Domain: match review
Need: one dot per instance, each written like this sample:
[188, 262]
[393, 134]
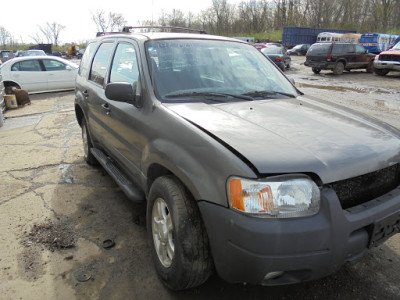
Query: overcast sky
[22, 20]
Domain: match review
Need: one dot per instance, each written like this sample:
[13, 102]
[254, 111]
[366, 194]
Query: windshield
[189, 70]
[396, 47]
[274, 50]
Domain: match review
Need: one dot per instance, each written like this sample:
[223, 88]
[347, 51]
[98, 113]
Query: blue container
[292, 36]
[378, 42]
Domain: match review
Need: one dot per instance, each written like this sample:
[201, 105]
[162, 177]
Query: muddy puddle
[342, 88]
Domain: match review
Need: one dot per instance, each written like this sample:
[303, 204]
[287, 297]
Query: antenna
[152, 10]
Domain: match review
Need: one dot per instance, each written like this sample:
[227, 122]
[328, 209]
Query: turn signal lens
[278, 197]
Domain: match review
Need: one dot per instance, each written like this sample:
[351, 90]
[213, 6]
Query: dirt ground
[68, 232]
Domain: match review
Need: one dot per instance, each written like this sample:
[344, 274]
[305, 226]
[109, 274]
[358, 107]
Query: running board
[131, 191]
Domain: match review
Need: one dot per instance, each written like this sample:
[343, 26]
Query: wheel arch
[79, 114]
[343, 61]
[8, 83]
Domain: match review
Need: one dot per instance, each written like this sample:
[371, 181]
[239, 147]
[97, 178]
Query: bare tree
[55, 30]
[100, 20]
[4, 36]
[37, 38]
[110, 22]
[116, 21]
[46, 32]
[51, 32]
[176, 18]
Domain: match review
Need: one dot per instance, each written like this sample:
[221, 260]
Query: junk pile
[13, 98]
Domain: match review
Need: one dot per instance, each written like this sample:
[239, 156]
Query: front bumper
[387, 65]
[246, 249]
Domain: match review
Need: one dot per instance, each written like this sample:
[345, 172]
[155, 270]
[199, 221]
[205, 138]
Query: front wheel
[381, 72]
[177, 237]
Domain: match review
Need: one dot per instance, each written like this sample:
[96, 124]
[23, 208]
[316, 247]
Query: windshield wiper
[268, 94]
[209, 94]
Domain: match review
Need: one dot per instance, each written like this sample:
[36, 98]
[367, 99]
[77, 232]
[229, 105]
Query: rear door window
[27, 66]
[338, 49]
[101, 60]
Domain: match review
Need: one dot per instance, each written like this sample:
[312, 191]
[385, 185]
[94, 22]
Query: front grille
[358, 190]
[387, 57]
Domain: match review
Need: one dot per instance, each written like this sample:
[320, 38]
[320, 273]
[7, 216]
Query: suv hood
[390, 52]
[298, 136]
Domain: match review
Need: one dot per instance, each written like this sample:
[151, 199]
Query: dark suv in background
[338, 57]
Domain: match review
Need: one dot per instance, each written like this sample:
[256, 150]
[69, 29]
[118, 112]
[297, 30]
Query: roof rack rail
[100, 33]
[164, 28]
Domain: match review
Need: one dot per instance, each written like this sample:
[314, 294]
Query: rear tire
[87, 145]
[177, 237]
[283, 67]
[316, 70]
[339, 68]
[381, 72]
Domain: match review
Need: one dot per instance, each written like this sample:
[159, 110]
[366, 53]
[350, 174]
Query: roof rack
[100, 33]
[163, 28]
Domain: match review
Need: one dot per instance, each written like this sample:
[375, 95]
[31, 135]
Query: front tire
[381, 72]
[177, 237]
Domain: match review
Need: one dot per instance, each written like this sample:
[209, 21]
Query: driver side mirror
[124, 92]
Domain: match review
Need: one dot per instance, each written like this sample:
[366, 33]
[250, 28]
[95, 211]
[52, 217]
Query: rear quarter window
[86, 60]
[319, 49]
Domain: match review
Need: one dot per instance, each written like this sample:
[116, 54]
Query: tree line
[257, 16]
[251, 17]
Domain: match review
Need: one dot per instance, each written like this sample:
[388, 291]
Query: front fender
[203, 170]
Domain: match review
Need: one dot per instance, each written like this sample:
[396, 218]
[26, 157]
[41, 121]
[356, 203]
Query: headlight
[275, 197]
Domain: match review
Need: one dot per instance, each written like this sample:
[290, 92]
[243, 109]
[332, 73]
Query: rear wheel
[178, 240]
[283, 66]
[381, 72]
[339, 68]
[316, 70]
[87, 145]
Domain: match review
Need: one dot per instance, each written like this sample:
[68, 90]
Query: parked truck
[378, 42]
[292, 36]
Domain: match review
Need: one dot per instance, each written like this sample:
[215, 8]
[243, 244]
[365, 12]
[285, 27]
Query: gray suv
[241, 172]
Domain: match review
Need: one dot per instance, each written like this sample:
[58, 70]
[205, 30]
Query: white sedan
[37, 74]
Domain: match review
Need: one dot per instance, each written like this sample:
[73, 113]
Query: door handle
[106, 107]
[85, 93]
